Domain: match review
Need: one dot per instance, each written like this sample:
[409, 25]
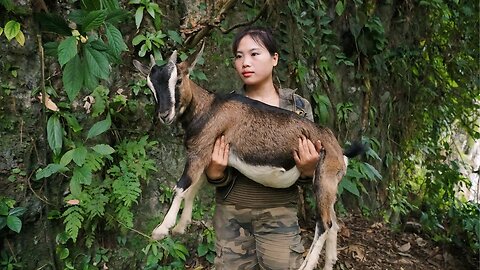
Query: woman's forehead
[247, 43]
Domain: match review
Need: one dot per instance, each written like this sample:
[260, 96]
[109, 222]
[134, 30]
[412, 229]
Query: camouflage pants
[257, 238]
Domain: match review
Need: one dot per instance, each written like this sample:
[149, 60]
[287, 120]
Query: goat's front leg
[186, 188]
[186, 217]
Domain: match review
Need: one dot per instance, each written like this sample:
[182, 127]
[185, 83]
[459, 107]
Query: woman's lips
[247, 74]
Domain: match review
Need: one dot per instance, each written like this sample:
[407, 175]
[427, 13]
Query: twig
[226, 31]
[11, 250]
[131, 229]
[33, 191]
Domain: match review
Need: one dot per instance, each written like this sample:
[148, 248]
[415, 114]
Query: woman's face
[253, 62]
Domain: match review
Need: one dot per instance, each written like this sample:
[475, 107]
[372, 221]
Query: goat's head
[170, 84]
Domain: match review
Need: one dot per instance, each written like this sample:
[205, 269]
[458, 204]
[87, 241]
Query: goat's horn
[173, 57]
[152, 61]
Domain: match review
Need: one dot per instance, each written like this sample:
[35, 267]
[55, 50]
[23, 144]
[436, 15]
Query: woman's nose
[246, 62]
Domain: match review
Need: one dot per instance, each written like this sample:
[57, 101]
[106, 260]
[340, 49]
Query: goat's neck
[199, 103]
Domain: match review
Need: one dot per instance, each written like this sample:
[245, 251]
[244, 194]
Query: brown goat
[261, 139]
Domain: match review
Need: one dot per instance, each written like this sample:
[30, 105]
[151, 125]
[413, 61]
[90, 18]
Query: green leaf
[75, 187]
[103, 149]
[350, 186]
[99, 127]
[48, 171]
[11, 29]
[72, 122]
[55, 134]
[79, 155]
[373, 171]
[339, 8]
[20, 38]
[82, 175]
[14, 223]
[67, 157]
[67, 50]
[73, 77]
[63, 253]
[202, 250]
[115, 39]
[175, 36]
[97, 62]
[137, 39]
[139, 16]
[17, 211]
[93, 20]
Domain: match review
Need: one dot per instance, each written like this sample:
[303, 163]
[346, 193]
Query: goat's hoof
[159, 233]
[178, 230]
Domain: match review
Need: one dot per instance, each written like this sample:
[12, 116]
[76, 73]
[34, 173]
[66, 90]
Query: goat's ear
[195, 56]
[145, 70]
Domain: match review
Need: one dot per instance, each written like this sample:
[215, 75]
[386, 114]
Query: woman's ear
[275, 59]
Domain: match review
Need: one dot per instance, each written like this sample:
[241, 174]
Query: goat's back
[261, 134]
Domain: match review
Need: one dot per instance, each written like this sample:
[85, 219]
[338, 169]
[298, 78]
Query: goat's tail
[355, 149]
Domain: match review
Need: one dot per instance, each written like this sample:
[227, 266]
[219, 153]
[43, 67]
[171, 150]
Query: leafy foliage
[9, 215]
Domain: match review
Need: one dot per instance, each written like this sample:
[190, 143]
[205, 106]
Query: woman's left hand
[307, 156]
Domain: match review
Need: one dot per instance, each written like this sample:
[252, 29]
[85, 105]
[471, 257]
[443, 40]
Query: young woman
[256, 226]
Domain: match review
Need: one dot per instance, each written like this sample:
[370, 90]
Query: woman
[256, 226]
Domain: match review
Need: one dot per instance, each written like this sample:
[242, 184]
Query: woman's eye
[238, 56]
[255, 54]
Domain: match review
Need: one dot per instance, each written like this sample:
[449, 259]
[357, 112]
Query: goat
[261, 139]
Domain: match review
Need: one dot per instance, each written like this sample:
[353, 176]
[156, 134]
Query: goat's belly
[269, 176]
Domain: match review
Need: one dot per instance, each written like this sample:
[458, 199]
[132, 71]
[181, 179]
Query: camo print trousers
[247, 238]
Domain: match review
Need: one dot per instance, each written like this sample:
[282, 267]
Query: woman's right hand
[219, 161]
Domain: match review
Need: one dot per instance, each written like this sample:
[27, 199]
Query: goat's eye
[179, 81]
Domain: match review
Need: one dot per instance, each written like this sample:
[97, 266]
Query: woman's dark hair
[261, 35]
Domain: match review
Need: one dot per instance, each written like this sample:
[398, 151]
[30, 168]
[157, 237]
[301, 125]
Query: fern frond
[73, 221]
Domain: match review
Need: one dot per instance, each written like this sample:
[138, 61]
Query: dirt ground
[369, 245]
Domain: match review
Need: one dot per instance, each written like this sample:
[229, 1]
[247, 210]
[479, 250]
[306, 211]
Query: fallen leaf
[420, 242]
[49, 104]
[357, 252]
[405, 247]
[73, 202]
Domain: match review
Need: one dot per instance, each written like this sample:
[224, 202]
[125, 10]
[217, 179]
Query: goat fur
[262, 139]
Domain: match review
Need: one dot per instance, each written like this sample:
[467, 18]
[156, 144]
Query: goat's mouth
[166, 117]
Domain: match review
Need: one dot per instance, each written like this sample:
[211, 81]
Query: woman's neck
[266, 93]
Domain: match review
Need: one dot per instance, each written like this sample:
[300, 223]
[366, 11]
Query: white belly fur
[269, 176]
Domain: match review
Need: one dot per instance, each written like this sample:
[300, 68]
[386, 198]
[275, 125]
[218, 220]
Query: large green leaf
[67, 50]
[99, 127]
[97, 62]
[12, 28]
[93, 20]
[55, 134]
[14, 223]
[73, 77]
[115, 40]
